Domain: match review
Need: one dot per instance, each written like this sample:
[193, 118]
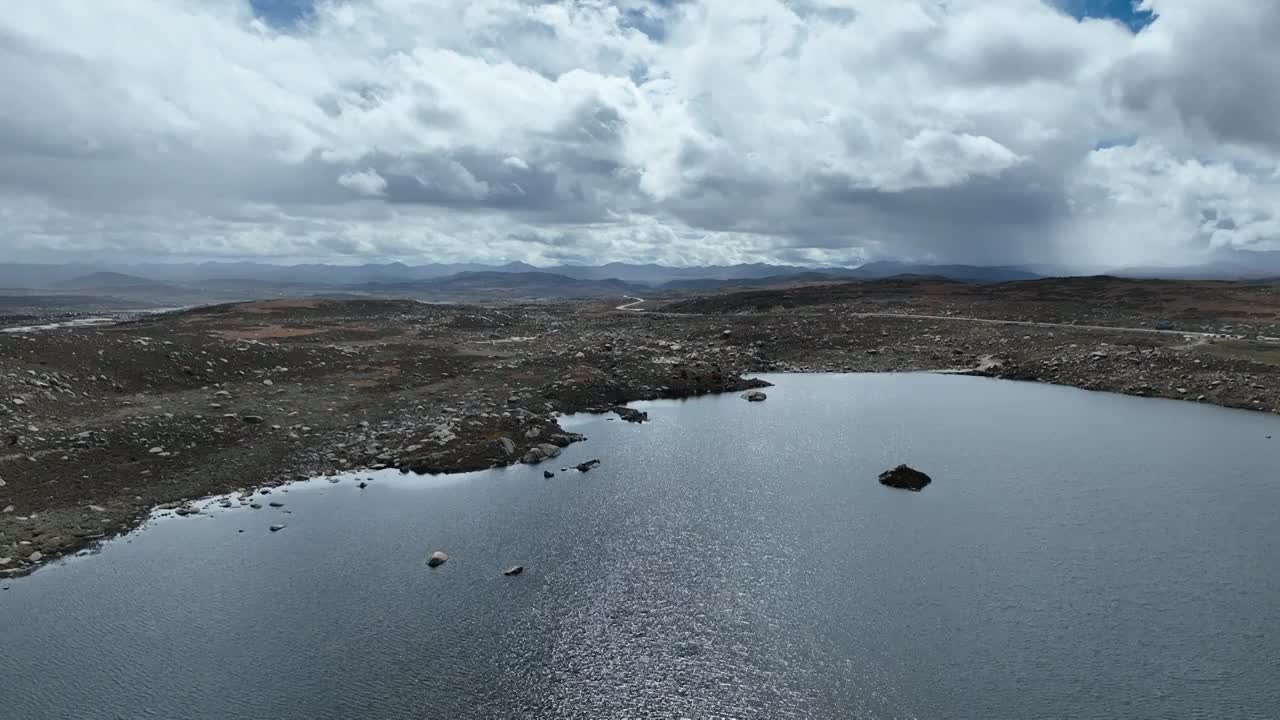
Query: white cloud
[715, 130]
[366, 182]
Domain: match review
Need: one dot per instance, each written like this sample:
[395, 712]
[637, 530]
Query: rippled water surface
[1079, 555]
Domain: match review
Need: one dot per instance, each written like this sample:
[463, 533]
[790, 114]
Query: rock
[540, 453]
[276, 528]
[362, 484]
[9, 508]
[437, 559]
[2, 482]
[5, 561]
[754, 396]
[255, 506]
[513, 570]
[586, 466]
[508, 446]
[905, 478]
[548, 474]
[35, 556]
[630, 414]
[276, 504]
[252, 419]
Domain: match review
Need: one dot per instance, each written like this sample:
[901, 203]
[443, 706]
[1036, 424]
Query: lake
[1078, 555]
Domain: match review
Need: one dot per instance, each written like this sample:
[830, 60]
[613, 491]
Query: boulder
[508, 446]
[513, 570]
[630, 414]
[539, 453]
[548, 474]
[566, 439]
[754, 396]
[586, 466]
[437, 559]
[905, 478]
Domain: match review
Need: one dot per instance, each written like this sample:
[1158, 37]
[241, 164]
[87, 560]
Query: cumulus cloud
[365, 182]
[706, 131]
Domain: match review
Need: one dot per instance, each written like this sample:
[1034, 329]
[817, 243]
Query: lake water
[1079, 555]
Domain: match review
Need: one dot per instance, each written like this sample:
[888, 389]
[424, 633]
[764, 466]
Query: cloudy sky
[677, 131]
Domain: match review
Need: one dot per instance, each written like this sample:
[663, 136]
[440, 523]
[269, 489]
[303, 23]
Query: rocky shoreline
[100, 425]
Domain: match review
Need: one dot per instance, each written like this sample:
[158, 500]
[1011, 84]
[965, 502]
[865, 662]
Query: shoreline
[116, 421]
[136, 524]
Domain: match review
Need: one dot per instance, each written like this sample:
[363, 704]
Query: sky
[683, 132]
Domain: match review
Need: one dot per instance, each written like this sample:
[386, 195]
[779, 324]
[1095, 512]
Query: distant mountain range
[223, 275]
[164, 284]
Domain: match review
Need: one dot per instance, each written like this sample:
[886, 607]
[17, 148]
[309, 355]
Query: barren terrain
[99, 425]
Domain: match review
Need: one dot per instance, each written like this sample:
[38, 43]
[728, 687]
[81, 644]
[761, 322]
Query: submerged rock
[905, 478]
[513, 570]
[437, 559]
[754, 396]
[586, 466]
[548, 474]
[276, 528]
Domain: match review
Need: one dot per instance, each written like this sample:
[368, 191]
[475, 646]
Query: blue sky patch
[1122, 10]
[283, 14]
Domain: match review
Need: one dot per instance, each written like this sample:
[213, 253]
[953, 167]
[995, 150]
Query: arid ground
[100, 425]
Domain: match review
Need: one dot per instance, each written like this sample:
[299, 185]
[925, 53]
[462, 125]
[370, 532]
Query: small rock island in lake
[437, 559]
[905, 478]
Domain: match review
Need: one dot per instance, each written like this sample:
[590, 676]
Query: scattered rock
[905, 478]
[513, 570]
[252, 419]
[540, 453]
[35, 556]
[508, 446]
[437, 559]
[754, 396]
[630, 414]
